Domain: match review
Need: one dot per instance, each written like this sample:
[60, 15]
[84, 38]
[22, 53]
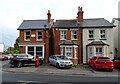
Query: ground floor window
[68, 52]
[36, 50]
[99, 51]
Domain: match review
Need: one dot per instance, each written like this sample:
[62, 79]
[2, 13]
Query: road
[37, 78]
[54, 79]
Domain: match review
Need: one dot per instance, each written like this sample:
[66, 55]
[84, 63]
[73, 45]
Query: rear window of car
[103, 59]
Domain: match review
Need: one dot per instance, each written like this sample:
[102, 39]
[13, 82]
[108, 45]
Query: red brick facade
[79, 41]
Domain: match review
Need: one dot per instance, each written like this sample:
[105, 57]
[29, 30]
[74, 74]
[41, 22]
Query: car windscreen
[62, 57]
[103, 59]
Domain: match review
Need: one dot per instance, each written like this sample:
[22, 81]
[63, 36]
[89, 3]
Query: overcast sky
[13, 12]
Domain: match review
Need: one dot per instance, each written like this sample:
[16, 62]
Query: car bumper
[104, 67]
[65, 65]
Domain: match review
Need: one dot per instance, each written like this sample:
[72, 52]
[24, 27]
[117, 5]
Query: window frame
[70, 52]
[101, 34]
[90, 34]
[63, 36]
[73, 34]
[39, 35]
[27, 35]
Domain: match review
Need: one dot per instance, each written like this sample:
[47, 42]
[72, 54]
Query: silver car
[60, 61]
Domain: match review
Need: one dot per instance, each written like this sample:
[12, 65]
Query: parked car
[101, 62]
[60, 61]
[3, 57]
[116, 62]
[20, 60]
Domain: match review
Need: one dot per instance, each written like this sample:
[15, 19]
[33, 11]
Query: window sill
[91, 39]
[103, 39]
[26, 40]
[74, 39]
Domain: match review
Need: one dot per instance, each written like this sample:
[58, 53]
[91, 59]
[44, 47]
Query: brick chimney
[80, 14]
[49, 16]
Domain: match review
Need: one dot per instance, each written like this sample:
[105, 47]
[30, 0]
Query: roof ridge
[92, 18]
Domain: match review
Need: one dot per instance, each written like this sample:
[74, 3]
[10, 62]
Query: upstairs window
[63, 35]
[74, 34]
[102, 34]
[27, 35]
[91, 34]
[39, 35]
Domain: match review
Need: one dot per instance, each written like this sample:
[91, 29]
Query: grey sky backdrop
[13, 12]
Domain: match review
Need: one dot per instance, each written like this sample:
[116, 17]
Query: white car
[60, 61]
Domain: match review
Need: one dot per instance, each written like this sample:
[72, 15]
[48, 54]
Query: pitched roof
[35, 24]
[97, 43]
[97, 22]
[117, 19]
[68, 42]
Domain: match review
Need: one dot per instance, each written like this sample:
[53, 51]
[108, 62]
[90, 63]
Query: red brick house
[34, 36]
[68, 38]
[75, 38]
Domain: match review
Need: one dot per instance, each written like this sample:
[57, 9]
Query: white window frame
[39, 35]
[61, 50]
[90, 34]
[98, 53]
[103, 33]
[63, 36]
[35, 49]
[72, 35]
[71, 52]
[25, 35]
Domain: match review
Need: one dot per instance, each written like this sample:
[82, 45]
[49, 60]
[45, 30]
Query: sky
[13, 12]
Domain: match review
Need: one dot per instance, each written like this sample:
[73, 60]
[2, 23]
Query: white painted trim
[37, 35]
[74, 29]
[43, 49]
[72, 34]
[25, 34]
[63, 29]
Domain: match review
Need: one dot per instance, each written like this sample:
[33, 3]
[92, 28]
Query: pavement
[47, 69]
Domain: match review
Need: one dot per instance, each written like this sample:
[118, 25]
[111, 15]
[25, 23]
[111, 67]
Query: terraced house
[78, 38]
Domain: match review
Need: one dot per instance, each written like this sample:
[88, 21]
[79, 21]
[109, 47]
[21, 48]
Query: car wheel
[49, 63]
[58, 65]
[19, 64]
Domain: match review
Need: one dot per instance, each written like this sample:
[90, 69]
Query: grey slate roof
[97, 43]
[97, 22]
[34, 24]
[117, 19]
[68, 42]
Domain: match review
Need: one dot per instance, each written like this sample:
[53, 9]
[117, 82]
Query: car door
[51, 60]
[54, 60]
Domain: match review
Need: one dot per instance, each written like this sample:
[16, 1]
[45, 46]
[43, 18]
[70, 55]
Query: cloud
[13, 12]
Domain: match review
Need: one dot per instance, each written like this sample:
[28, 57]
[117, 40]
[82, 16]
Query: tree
[16, 46]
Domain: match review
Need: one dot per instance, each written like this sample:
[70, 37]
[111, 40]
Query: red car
[2, 57]
[101, 62]
[116, 62]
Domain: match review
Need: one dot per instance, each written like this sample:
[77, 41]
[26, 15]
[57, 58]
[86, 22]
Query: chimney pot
[80, 14]
[49, 16]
